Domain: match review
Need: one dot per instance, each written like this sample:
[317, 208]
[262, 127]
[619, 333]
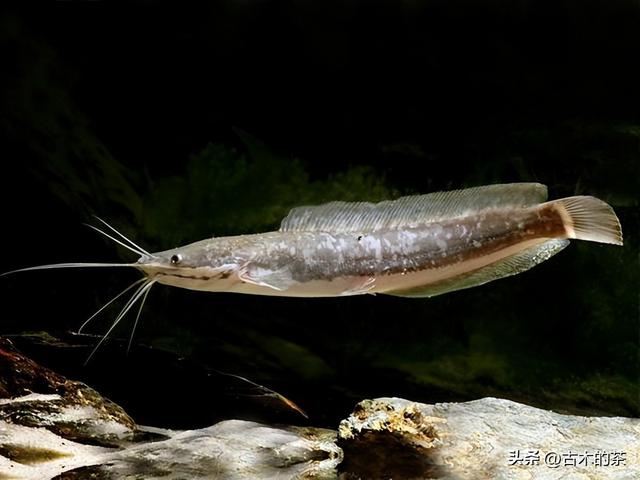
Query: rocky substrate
[52, 427]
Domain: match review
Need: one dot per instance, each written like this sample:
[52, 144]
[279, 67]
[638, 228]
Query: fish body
[415, 246]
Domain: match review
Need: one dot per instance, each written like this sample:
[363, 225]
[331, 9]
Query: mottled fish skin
[328, 264]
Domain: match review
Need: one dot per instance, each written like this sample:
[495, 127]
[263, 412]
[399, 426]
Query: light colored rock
[383, 438]
[35, 396]
[233, 449]
[72, 420]
[52, 426]
[67, 427]
[43, 435]
[33, 453]
[487, 438]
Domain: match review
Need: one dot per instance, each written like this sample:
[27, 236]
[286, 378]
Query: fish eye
[175, 259]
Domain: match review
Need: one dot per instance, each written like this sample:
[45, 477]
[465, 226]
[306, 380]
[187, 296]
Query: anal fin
[511, 265]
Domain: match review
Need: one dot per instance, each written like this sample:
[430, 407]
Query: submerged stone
[52, 427]
[486, 438]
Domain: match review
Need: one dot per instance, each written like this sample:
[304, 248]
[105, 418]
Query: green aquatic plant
[225, 191]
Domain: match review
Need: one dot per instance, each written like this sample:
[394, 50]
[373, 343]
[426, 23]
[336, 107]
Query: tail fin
[587, 218]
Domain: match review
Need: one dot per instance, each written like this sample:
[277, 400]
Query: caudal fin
[588, 218]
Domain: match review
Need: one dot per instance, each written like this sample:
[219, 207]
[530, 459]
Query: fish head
[196, 266]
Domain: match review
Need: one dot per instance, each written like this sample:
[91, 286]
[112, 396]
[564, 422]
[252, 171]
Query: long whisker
[268, 392]
[124, 310]
[136, 296]
[123, 236]
[135, 324]
[137, 282]
[115, 240]
[70, 265]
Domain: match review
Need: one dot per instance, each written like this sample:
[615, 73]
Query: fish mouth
[182, 275]
[160, 271]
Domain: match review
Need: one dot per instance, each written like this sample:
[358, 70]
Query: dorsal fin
[414, 210]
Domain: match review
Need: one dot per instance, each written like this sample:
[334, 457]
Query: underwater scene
[176, 124]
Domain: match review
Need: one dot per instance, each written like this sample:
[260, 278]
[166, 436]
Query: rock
[487, 438]
[234, 449]
[65, 407]
[52, 427]
[35, 453]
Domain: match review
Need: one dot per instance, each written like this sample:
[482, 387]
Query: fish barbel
[416, 246]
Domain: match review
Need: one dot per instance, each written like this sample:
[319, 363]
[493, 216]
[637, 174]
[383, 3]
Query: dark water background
[176, 123]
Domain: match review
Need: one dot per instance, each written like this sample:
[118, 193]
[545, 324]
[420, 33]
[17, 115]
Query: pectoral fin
[509, 266]
[362, 286]
[276, 279]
